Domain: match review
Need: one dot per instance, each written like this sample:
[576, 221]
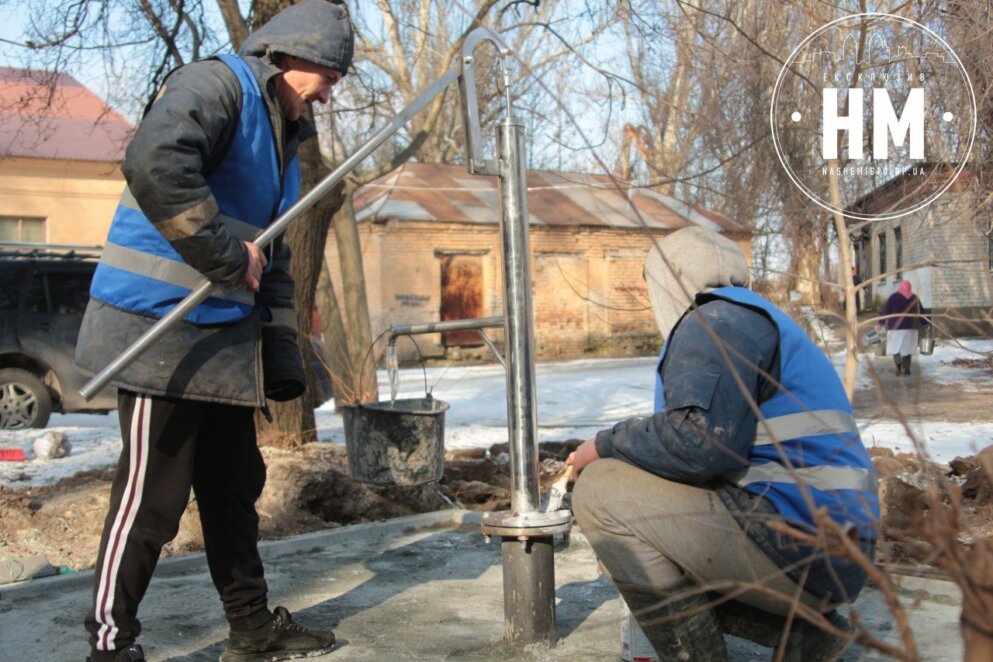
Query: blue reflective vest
[139, 270]
[807, 453]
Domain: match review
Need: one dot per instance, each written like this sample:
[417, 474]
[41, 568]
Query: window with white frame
[22, 229]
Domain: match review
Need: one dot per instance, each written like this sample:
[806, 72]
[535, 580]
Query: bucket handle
[365, 359]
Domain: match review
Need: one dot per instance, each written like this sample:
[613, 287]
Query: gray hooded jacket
[184, 135]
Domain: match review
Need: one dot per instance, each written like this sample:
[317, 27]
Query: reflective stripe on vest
[175, 273]
[822, 477]
[804, 424]
[241, 230]
[141, 272]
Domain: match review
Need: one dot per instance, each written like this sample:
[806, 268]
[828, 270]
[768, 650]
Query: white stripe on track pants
[169, 446]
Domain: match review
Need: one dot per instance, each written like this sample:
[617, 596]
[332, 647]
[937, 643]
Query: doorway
[461, 296]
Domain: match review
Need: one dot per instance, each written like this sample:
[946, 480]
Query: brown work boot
[809, 643]
[806, 642]
[684, 630]
[278, 639]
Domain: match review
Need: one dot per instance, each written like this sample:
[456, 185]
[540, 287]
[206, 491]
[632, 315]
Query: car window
[59, 291]
[11, 280]
[70, 291]
[36, 294]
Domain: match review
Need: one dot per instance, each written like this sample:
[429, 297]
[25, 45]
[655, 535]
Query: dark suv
[43, 293]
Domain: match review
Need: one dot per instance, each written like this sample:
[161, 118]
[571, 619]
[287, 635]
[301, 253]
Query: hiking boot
[808, 643]
[906, 365]
[133, 653]
[683, 630]
[899, 364]
[746, 622]
[279, 639]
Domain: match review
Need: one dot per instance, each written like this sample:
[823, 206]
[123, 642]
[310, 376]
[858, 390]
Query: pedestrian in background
[856, 281]
[906, 318]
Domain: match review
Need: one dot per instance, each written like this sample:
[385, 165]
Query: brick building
[60, 152]
[431, 246]
[953, 230]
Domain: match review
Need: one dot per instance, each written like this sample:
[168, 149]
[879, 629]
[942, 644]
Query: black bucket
[396, 443]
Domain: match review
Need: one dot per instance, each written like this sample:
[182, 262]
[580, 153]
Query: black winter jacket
[185, 133]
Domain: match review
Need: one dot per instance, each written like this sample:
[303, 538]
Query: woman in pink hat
[903, 316]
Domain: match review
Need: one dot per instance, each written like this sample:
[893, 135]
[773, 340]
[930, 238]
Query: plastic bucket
[925, 340]
[876, 341]
[396, 443]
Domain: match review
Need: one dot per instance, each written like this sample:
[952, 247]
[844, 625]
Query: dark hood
[317, 31]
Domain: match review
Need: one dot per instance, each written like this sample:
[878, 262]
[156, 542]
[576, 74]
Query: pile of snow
[575, 400]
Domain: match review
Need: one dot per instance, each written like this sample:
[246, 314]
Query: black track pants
[169, 446]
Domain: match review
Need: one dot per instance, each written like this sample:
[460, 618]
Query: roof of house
[52, 116]
[447, 193]
[913, 185]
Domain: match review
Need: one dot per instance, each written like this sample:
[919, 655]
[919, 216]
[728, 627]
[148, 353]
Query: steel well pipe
[522, 418]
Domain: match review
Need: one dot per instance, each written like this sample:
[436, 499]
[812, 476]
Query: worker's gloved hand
[282, 367]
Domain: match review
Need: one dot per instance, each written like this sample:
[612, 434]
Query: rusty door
[461, 296]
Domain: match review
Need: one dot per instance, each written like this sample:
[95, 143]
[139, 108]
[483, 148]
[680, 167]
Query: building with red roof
[431, 248]
[60, 152]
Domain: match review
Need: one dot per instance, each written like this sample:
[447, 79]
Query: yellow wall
[77, 198]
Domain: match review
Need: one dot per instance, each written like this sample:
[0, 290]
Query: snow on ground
[941, 441]
[575, 399]
[938, 368]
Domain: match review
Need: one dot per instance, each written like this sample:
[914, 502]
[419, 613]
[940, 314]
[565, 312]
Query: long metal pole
[521, 409]
[196, 297]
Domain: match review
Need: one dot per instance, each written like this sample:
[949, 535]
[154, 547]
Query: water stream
[393, 370]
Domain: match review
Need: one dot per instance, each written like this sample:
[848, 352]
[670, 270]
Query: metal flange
[506, 523]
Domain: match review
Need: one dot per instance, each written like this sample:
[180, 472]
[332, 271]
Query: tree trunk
[362, 352]
[293, 421]
[847, 286]
[806, 266]
[333, 327]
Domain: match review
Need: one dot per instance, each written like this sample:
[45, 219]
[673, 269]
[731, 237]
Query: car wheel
[24, 400]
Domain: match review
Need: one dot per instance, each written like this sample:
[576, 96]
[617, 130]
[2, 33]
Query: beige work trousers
[651, 532]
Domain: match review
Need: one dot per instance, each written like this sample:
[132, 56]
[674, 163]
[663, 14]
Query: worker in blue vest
[705, 513]
[212, 163]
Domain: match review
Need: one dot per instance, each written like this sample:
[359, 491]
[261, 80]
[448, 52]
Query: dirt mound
[307, 489]
[909, 487]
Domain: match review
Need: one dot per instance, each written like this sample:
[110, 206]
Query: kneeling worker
[752, 435]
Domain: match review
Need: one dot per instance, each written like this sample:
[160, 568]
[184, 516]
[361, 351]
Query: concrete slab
[420, 588]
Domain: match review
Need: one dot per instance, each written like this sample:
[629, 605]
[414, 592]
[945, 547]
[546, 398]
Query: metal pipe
[521, 401]
[528, 589]
[194, 298]
[478, 324]
[443, 327]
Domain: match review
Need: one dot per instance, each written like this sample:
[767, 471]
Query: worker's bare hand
[256, 263]
[581, 457]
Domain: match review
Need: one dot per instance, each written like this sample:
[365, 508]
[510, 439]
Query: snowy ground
[575, 399]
